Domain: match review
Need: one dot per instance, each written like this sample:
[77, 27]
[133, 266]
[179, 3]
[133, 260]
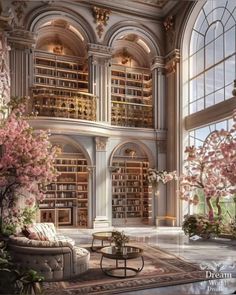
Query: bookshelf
[131, 95]
[60, 87]
[131, 195]
[60, 71]
[66, 201]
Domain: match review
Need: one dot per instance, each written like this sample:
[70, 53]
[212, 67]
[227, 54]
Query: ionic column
[102, 196]
[158, 92]
[100, 79]
[174, 127]
[21, 61]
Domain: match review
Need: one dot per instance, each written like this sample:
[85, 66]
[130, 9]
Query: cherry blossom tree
[26, 160]
[211, 168]
[155, 176]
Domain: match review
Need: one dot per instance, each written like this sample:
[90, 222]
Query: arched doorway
[131, 196]
[67, 199]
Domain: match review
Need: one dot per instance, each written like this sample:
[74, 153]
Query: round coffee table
[126, 253]
[101, 236]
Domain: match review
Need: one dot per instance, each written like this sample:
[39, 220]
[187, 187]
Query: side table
[101, 236]
[126, 253]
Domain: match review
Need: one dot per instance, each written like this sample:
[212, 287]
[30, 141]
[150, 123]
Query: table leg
[125, 268]
[101, 265]
[92, 245]
[139, 269]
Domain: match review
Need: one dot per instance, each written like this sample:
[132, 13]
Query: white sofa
[55, 259]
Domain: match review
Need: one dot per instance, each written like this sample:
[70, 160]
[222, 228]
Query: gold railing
[132, 115]
[63, 104]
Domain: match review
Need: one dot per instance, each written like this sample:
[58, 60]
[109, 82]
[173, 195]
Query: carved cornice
[101, 17]
[22, 39]
[101, 143]
[99, 50]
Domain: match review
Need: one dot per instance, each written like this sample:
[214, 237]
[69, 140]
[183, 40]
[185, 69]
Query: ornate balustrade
[63, 104]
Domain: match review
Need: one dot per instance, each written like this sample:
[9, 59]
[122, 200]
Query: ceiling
[148, 8]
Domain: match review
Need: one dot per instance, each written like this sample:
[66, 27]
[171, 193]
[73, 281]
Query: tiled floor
[219, 255]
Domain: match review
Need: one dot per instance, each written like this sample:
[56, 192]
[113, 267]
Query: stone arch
[186, 30]
[63, 140]
[40, 16]
[125, 28]
[146, 151]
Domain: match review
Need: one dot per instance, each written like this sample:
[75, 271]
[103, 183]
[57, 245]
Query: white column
[102, 195]
[158, 91]
[21, 65]
[173, 125]
[100, 79]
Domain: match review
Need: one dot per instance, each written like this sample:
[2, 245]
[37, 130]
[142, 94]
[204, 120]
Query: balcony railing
[63, 104]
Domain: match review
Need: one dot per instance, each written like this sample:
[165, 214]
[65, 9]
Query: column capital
[101, 143]
[22, 39]
[158, 62]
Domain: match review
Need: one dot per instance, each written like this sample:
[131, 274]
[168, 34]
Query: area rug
[160, 269]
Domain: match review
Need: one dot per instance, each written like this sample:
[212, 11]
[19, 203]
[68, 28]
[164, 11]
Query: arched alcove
[122, 29]
[131, 91]
[44, 15]
[131, 197]
[68, 198]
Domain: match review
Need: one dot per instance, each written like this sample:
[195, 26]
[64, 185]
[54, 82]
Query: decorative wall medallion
[19, 8]
[123, 55]
[101, 16]
[101, 143]
[131, 153]
[169, 25]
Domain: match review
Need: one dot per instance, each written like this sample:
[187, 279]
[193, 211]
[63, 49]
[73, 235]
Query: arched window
[208, 73]
[210, 62]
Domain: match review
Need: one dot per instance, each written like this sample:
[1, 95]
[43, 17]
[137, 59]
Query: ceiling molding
[143, 8]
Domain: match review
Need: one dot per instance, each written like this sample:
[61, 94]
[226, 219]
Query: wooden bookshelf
[131, 196]
[60, 71]
[60, 87]
[131, 94]
[66, 200]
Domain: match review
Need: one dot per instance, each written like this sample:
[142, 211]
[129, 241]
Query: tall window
[211, 56]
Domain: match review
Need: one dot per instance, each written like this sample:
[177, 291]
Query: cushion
[40, 231]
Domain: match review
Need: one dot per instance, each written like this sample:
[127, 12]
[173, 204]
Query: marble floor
[218, 255]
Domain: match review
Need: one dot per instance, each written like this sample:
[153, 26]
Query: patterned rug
[161, 269]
